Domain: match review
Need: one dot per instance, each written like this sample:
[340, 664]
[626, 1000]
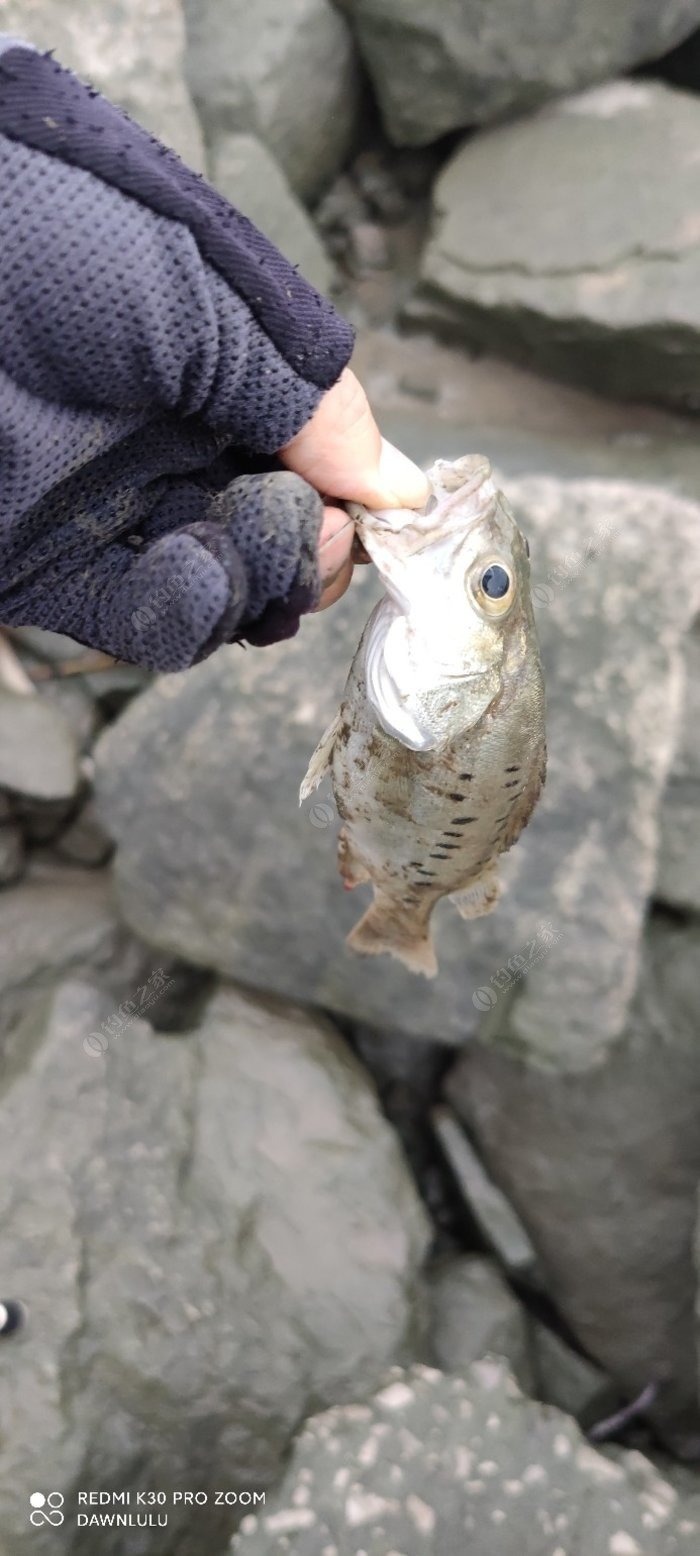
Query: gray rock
[85, 840]
[603, 1168]
[38, 755]
[587, 264]
[59, 922]
[495, 1217]
[12, 858]
[678, 881]
[132, 52]
[230, 1236]
[565, 1378]
[454, 1465]
[198, 782]
[285, 71]
[473, 1313]
[245, 172]
[466, 62]
[73, 700]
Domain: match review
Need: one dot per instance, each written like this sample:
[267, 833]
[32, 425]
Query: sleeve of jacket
[176, 298]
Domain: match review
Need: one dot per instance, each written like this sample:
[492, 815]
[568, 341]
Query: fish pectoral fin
[388, 928]
[481, 897]
[320, 763]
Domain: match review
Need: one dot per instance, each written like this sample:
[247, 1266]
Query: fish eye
[493, 588]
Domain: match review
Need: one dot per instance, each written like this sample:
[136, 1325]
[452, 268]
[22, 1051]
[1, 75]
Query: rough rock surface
[198, 784]
[212, 1235]
[678, 882]
[453, 1465]
[284, 70]
[59, 922]
[603, 1167]
[38, 755]
[131, 49]
[473, 1313]
[478, 60]
[587, 264]
[245, 172]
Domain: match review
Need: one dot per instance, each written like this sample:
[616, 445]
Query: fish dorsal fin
[320, 763]
[386, 670]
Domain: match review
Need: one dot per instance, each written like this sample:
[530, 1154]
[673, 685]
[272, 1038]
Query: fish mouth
[463, 490]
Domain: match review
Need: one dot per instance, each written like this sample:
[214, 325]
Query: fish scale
[437, 753]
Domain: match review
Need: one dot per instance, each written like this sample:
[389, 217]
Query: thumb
[342, 453]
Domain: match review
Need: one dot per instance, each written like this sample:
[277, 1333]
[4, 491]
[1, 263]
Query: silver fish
[437, 753]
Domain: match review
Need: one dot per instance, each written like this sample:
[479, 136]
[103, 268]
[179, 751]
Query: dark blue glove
[155, 352]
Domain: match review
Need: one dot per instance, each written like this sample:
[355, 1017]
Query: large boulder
[198, 782]
[571, 242]
[603, 1166]
[211, 1235]
[61, 922]
[245, 172]
[132, 50]
[465, 62]
[284, 70]
[678, 882]
[448, 1466]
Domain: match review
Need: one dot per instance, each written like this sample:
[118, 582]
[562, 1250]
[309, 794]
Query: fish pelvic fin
[320, 763]
[388, 929]
[481, 896]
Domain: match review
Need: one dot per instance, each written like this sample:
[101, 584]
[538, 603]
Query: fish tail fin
[386, 929]
[321, 761]
[481, 897]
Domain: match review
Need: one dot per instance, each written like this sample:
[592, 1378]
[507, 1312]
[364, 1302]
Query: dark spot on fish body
[438, 856]
[456, 797]
[452, 847]
[452, 834]
[513, 784]
[512, 769]
[467, 777]
[462, 821]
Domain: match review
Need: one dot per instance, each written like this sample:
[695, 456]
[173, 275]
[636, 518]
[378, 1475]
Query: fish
[437, 753]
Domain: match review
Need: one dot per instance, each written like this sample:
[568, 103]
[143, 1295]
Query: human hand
[341, 453]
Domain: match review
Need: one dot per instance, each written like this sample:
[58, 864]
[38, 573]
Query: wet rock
[478, 61]
[603, 1166]
[285, 71]
[473, 1313]
[245, 171]
[231, 1237]
[59, 922]
[678, 882]
[452, 1465]
[577, 268]
[132, 52]
[38, 756]
[217, 863]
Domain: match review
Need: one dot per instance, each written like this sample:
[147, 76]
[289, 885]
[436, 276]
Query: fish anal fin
[352, 868]
[481, 896]
[320, 763]
[387, 930]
